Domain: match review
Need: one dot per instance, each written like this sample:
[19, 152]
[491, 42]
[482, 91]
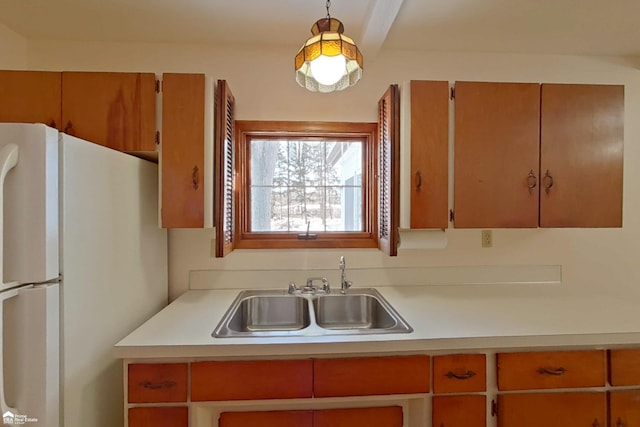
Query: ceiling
[585, 27]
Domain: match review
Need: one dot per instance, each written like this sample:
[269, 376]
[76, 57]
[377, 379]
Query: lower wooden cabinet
[624, 408]
[579, 409]
[171, 416]
[459, 411]
[390, 416]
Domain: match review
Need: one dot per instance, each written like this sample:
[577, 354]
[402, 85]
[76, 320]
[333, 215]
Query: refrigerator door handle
[4, 407]
[8, 159]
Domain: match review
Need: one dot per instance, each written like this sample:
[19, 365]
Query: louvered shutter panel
[224, 158]
[389, 170]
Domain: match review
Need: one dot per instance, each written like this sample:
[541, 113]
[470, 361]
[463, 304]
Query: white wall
[13, 50]
[598, 260]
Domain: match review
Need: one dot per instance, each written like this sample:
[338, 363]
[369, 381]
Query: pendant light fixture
[328, 61]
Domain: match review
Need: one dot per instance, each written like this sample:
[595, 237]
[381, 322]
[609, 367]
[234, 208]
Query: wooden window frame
[245, 130]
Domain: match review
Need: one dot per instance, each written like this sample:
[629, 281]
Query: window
[305, 185]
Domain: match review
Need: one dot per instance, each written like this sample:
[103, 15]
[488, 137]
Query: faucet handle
[293, 289]
[325, 285]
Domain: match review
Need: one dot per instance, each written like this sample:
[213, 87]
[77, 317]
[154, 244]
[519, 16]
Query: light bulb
[328, 70]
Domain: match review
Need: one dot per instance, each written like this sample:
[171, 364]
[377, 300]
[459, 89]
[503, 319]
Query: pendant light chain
[328, 5]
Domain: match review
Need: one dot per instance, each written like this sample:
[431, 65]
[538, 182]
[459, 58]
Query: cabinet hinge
[157, 137]
[157, 86]
[452, 93]
[494, 408]
[451, 215]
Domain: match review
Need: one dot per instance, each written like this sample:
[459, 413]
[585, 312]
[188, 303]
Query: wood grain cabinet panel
[497, 143]
[117, 110]
[429, 154]
[552, 410]
[545, 370]
[174, 416]
[581, 155]
[271, 379]
[459, 411]
[459, 373]
[31, 97]
[624, 367]
[267, 419]
[182, 146]
[152, 383]
[370, 376]
[624, 408]
[390, 416]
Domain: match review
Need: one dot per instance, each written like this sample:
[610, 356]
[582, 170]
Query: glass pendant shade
[329, 60]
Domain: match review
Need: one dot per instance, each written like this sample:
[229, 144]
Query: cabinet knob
[418, 181]
[532, 181]
[596, 423]
[619, 423]
[195, 178]
[68, 129]
[548, 182]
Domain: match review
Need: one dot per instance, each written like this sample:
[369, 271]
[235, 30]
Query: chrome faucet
[344, 283]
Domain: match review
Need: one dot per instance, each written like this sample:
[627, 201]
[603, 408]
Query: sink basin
[253, 312]
[269, 313]
[352, 312]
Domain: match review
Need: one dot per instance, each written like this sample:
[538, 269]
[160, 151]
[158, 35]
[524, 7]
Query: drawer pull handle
[194, 178]
[467, 375]
[156, 386]
[548, 182]
[532, 181]
[556, 372]
[419, 184]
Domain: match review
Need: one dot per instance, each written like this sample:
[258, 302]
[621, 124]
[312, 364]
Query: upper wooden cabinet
[581, 155]
[117, 110]
[529, 154]
[31, 97]
[429, 135]
[182, 161]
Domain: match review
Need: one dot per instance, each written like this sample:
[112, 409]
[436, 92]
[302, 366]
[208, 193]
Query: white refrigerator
[82, 263]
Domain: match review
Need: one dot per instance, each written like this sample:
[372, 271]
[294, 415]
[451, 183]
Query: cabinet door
[30, 97]
[117, 110]
[624, 408]
[497, 135]
[429, 154]
[174, 416]
[582, 134]
[267, 419]
[182, 157]
[390, 416]
[459, 411]
[552, 410]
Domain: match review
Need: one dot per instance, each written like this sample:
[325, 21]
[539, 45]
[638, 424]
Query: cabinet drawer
[270, 379]
[459, 373]
[459, 411]
[151, 383]
[390, 416]
[552, 410]
[267, 419]
[174, 416]
[371, 375]
[624, 367]
[543, 370]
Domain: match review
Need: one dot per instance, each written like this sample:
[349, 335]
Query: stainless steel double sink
[269, 313]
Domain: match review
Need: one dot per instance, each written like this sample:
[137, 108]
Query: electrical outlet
[487, 238]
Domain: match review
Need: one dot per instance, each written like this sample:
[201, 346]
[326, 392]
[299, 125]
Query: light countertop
[444, 318]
